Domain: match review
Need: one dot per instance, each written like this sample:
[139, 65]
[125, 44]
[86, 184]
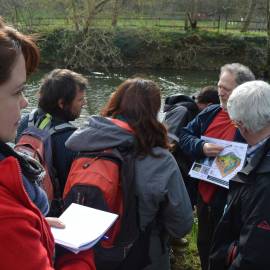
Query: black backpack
[95, 180]
[179, 111]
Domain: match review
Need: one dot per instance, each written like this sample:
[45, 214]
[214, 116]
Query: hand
[211, 149]
[55, 222]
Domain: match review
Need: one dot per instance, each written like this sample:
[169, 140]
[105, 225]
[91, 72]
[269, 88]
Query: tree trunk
[267, 68]
[115, 12]
[186, 22]
[192, 15]
[193, 22]
[252, 5]
[75, 14]
[93, 8]
[90, 14]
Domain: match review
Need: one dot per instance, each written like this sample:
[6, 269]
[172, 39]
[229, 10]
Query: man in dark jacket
[61, 98]
[213, 122]
[179, 111]
[242, 238]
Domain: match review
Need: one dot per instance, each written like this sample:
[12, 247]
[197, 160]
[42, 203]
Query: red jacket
[25, 237]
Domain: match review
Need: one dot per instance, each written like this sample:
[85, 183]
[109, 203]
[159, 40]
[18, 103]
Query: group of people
[233, 224]
[26, 239]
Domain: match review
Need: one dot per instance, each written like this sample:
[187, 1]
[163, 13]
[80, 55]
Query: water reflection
[103, 84]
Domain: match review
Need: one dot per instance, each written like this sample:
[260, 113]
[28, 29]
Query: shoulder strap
[44, 123]
[61, 127]
[2, 156]
[39, 120]
[31, 118]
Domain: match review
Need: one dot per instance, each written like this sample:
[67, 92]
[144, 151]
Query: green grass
[167, 25]
[187, 258]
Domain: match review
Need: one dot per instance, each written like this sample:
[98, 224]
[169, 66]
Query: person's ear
[61, 103]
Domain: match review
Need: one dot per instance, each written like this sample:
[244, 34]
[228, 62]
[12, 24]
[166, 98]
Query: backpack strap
[31, 118]
[61, 127]
[122, 124]
[2, 156]
[44, 123]
[40, 122]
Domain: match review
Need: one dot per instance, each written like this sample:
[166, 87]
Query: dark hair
[12, 44]
[138, 102]
[208, 94]
[60, 84]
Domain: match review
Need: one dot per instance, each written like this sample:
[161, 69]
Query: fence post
[219, 18]
[267, 69]
[226, 22]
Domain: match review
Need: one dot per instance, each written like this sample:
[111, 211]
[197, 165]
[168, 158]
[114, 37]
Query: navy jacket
[189, 137]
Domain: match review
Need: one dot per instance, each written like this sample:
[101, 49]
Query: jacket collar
[259, 163]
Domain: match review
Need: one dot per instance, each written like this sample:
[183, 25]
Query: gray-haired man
[242, 238]
[213, 122]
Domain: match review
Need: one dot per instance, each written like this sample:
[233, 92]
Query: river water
[101, 85]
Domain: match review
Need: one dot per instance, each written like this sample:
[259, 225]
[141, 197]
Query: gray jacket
[158, 180]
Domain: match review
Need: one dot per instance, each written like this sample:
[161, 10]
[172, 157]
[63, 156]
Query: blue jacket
[189, 137]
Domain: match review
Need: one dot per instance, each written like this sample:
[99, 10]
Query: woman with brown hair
[131, 118]
[25, 236]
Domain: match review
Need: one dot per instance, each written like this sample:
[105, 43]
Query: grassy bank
[151, 48]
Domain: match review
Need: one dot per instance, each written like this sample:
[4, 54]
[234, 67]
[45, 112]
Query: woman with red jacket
[25, 236]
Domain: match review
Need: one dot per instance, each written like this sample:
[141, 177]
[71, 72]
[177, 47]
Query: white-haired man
[213, 122]
[242, 238]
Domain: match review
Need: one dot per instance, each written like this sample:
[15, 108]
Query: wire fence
[164, 22]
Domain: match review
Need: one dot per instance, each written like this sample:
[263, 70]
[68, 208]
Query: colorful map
[227, 163]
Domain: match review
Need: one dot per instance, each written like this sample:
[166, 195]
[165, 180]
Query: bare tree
[93, 8]
[115, 13]
[75, 15]
[252, 6]
[192, 14]
[267, 69]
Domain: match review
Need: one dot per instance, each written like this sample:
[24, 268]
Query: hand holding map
[212, 149]
[220, 169]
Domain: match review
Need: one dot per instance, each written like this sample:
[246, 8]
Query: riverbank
[149, 48]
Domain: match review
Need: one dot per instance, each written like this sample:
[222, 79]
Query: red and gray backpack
[106, 180]
[35, 141]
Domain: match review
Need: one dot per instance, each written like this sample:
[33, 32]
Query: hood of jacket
[174, 99]
[180, 100]
[100, 133]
